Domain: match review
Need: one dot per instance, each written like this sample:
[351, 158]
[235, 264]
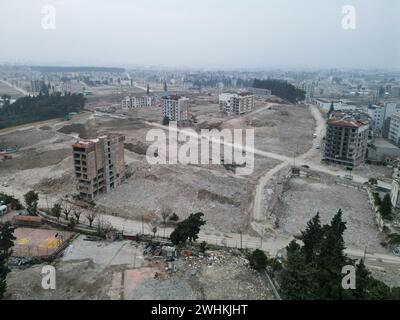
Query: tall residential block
[394, 131]
[99, 165]
[346, 141]
[236, 103]
[175, 108]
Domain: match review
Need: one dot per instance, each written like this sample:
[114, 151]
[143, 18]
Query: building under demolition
[236, 103]
[99, 165]
[346, 141]
[175, 108]
[139, 101]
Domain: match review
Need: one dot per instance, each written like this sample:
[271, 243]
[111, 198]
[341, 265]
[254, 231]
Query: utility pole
[241, 240]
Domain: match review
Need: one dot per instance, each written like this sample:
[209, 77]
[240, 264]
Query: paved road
[271, 245]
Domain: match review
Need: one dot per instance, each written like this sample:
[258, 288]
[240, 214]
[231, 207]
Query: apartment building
[99, 165]
[381, 117]
[346, 141]
[175, 108]
[236, 103]
[131, 102]
[394, 130]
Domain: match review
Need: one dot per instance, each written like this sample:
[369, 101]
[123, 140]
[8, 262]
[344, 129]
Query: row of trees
[40, 108]
[282, 89]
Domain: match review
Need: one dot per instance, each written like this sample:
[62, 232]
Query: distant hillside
[40, 108]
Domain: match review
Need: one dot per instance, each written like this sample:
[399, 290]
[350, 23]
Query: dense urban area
[77, 190]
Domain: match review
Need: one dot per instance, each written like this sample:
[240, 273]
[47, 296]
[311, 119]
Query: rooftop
[346, 123]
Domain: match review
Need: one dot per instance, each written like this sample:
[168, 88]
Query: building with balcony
[236, 103]
[175, 108]
[99, 165]
[346, 141]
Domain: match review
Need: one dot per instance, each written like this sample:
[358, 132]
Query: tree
[165, 214]
[386, 208]
[31, 200]
[295, 275]
[7, 199]
[258, 260]
[203, 247]
[174, 218]
[377, 200]
[373, 181]
[312, 237]
[56, 211]
[6, 243]
[67, 208]
[317, 273]
[77, 213]
[71, 223]
[91, 216]
[188, 229]
[165, 121]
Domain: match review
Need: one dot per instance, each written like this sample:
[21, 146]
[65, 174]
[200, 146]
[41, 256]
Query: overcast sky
[202, 33]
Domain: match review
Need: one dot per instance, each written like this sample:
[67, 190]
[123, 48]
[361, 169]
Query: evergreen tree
[296, 275]
[188, 229]
[6, 243]
[386, 208]
[312, 238]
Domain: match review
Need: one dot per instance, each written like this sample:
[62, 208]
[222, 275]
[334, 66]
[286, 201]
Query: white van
[3, 210]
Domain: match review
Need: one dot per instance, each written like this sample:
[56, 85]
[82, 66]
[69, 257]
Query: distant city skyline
[207, 34]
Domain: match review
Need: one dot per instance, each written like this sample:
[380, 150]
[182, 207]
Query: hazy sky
[203, 33]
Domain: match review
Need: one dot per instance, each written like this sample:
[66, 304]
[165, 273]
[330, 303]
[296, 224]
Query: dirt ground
[303, 198]
[5, 89]
[120, 270]
[44, 160]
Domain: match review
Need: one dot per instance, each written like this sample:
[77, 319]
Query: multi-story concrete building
[381, 117]
[394, 130]
[236, 103]
[395, 91]
[346, 141]
[143, 101]
[175, 108]
[99, 164]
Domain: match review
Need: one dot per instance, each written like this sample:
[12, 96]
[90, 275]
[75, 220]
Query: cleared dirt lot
[303, 198]
[44, 161]
[6, 89]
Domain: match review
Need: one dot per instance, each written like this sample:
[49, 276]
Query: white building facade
[175, 108]
[236, 103]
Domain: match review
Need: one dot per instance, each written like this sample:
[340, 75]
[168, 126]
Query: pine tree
[386, 208]
[6, 243]
[297, 275]
[312, 238]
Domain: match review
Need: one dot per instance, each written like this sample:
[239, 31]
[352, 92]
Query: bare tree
[153, 227]
[165, 213]
[67, 208]
[90, 216]
[104, 227]
[77, 213]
